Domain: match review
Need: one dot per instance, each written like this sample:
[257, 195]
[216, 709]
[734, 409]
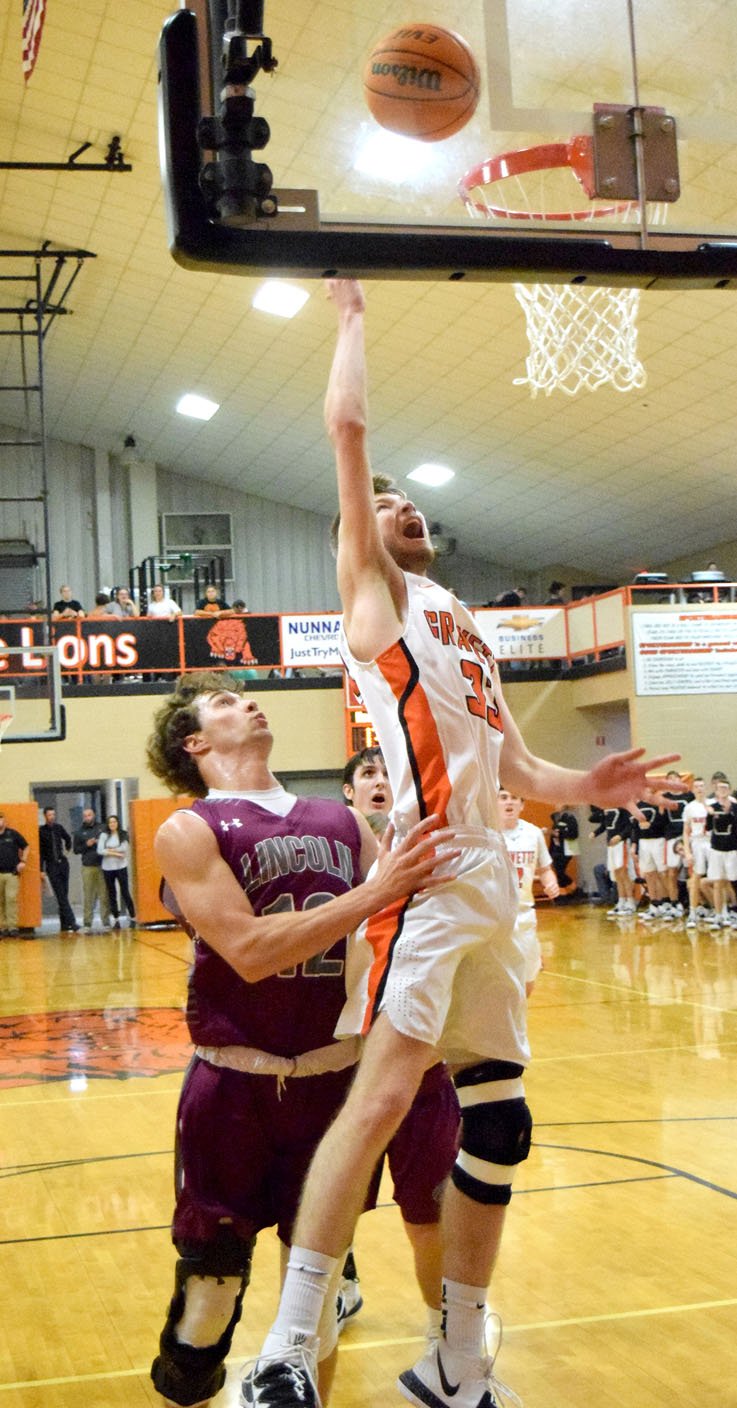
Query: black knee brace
[180, 1372]
[496, 1130]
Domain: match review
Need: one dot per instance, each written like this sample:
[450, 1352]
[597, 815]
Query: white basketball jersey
[696, 813]
[430, 697]
[528, 853]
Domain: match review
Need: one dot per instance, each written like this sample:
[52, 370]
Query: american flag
[34, 13]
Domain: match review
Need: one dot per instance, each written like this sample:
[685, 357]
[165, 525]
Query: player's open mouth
[378, 799]
[414, 529]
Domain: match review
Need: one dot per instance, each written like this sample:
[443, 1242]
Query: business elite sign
[311, 639]
[537, 633]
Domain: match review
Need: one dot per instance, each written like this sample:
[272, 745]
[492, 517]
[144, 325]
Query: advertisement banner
[24, 635]
[685, 652]
[231, 642]
[103, 644]
[311, 639]
[524, 633]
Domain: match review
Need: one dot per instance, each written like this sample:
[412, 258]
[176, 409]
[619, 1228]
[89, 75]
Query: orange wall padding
[23, 817]
[146, 816]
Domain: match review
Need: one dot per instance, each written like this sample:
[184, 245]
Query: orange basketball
[422, 81]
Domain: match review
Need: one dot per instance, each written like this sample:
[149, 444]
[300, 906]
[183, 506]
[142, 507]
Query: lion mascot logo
[228, 640]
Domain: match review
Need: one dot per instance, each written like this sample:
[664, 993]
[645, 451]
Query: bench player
[447, 975]
[265, 883]
[721, 873]
[531, 861]
[696, 853]
[616, 822]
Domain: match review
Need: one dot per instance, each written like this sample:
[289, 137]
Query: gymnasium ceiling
[604, 482]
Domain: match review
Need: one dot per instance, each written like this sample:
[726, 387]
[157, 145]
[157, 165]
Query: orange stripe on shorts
[381, 931]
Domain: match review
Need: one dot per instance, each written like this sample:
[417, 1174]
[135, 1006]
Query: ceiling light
[130, 453]
[197, 406]
[392, 157]
[280, 298]
[432, 475]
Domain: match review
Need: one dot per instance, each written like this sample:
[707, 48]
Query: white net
[580, 338]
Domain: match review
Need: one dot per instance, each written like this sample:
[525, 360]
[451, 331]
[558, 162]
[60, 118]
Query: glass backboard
[647, 88]
[31, 705]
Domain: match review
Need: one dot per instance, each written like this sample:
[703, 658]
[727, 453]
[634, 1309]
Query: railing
[252, 644]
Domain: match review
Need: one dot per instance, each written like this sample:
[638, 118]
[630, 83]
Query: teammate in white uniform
[696, 853]
[448, 974]
[531, 861]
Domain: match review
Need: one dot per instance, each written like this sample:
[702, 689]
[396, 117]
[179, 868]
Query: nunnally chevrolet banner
[310, 639]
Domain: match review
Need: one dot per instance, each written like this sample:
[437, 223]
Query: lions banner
[110, 646]
[231, 642]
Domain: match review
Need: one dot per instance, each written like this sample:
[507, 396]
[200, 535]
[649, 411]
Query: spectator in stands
[516, 596]
[211, 604]
[102, 600]
[121, 604]
[67, 608]
[13, 856]
[555, 595]
[161, 606]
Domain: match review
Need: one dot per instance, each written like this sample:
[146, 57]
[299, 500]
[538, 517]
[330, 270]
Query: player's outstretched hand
[408, 865]
[346, 294]
[624, 779]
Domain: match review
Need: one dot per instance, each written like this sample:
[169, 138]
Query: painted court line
[533, 1325]
[632, 992]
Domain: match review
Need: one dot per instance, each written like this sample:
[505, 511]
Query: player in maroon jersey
[265, 883]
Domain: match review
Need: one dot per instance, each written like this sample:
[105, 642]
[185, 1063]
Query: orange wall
[146, 816]
[23, 817]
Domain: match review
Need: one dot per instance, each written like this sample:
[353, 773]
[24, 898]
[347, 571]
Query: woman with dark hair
[114, 848]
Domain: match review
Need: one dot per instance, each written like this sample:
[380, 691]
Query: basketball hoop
[579, 336]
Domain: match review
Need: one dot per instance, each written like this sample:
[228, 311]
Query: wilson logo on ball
[422, 82]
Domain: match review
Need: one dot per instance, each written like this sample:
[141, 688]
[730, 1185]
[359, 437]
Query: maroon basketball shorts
[244, 1147]
[423, 1150]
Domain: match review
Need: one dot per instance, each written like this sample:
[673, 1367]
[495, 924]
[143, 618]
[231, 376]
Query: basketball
[422, 81]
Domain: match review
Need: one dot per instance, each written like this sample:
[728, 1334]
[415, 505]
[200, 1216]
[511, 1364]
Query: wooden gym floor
[618, 1275]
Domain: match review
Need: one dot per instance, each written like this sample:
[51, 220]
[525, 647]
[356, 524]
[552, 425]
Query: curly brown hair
[174, 721]
[382, 484]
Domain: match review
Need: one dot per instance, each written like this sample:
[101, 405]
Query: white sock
[303, 1293]
[433, 1326]
[464, 1312]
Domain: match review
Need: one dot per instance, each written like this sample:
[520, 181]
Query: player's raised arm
[618, 780]
[213, 902]
[370, 584]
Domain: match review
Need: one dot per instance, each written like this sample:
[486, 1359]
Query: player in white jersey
[448, 974]
[696, 852]
[531, 861]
